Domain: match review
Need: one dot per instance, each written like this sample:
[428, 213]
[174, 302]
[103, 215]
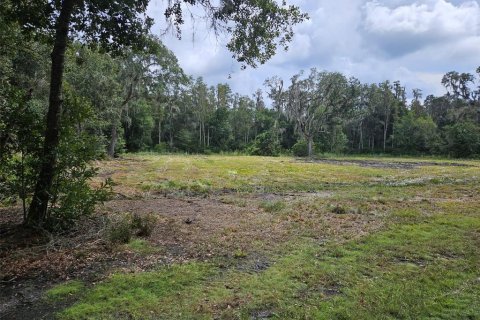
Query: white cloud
[412, 41]
[436, 17]
[407, 28]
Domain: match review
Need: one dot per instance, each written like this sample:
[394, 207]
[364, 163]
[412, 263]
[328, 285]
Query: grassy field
[282, 238]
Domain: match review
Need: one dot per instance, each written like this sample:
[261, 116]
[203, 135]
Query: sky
[415, 42]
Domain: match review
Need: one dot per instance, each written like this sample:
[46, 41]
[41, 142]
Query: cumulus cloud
[414, 41]
[407, 28]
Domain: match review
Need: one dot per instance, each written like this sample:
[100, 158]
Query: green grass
[142, 295]
[206, 174]
[421, 260]
[428, 270]
[64, 290]
[141, 246]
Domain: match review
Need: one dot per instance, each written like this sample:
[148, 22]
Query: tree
[315, 100]
[416, 134]
[277, 95]
[113, 25]
[386, 105]
[109, 24]
[416, 105]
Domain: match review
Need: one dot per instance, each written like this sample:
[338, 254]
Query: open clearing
[261, 238]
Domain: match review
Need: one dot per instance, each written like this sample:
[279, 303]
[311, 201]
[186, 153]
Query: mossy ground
[404, 246]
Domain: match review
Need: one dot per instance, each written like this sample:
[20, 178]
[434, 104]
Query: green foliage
[333, 140]
[265, 144]
[72, 195]
[186, 140]
[120, 230]
[123, 227]
[300, 149]
[256, 28]
[416, 134]
[161, 148]
[463, 139]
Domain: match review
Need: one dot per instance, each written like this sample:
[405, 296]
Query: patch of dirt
[385, 164]
[32, 262]
[262, 314]
[197, 228]
[254, 263]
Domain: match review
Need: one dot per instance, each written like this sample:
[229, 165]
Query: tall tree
[258, 27]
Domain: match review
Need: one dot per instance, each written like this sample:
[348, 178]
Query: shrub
[463, 139]
[300, 149]
[161, 148]
[72, 194]
[338, 209]
[120, 231]
[143, 225]
[265, 144]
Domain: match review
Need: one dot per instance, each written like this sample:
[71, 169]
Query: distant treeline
[144, 101]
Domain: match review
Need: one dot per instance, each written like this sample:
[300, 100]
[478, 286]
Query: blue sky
[415, 42]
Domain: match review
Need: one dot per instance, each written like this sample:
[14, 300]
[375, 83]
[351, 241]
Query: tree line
[143, 101]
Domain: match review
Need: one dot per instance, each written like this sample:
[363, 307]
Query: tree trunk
[310, 147]
[159, 131]
[39, 205]
[113, 141]
[208, 138]
[385, 128]
[361, 137]
[171, 129]
[393, 137]
[334, 132]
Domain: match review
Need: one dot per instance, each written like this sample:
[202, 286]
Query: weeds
[273, 206]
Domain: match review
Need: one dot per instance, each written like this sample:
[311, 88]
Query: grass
[273, 206]
[427, 270]
[64, 290]
[141, 246]
[206, 174]
[386, 243]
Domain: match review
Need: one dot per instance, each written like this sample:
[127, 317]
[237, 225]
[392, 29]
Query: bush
[122, 228]
[144, 225]
[265, 144]
[161, 148]
[120, 231]
[463, 139]
[72, 194]
[300, 149]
